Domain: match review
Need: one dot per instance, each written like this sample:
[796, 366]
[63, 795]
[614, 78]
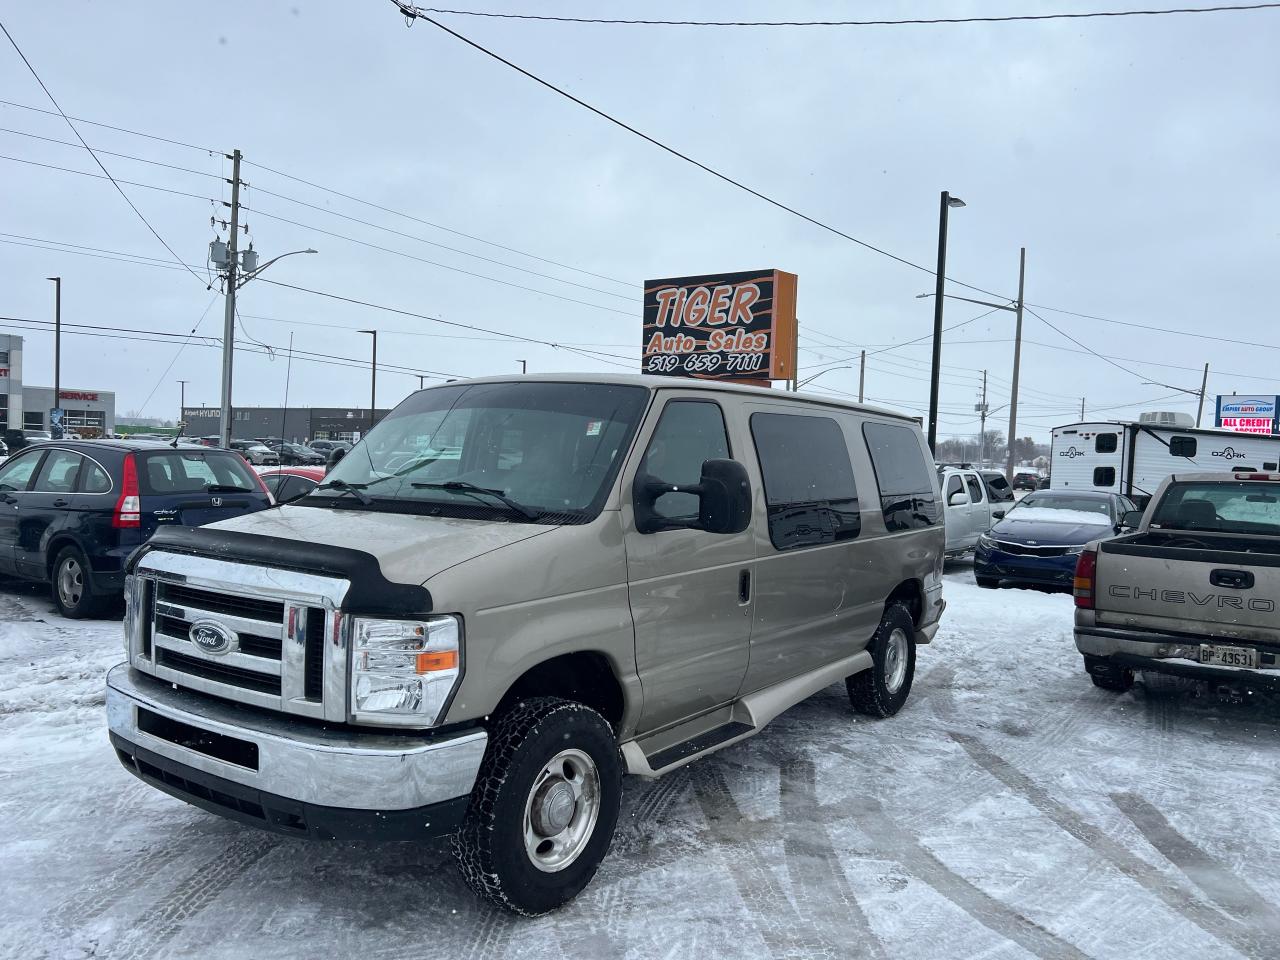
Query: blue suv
[71, 512]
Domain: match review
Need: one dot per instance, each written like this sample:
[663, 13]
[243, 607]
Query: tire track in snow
[157, 926]
[1230, 892]
[752, 872]
[817, 878]
[899, 845]
[1251, 943]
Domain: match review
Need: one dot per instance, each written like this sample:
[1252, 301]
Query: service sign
[1248, 414]
[724, 326]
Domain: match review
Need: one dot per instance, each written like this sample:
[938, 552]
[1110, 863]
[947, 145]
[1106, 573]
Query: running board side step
[738, 721]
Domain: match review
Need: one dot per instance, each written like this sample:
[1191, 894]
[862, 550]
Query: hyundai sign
[1248, 414]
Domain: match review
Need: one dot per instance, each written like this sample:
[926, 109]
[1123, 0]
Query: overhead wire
[119, 189]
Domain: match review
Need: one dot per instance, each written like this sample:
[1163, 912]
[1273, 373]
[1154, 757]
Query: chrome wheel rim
[896, 655]
[561, 810]
[70, 582]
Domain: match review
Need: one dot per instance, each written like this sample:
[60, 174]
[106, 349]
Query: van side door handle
[744, 586]
[1232, 579]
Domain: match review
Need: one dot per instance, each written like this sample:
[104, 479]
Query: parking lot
[1010, 810]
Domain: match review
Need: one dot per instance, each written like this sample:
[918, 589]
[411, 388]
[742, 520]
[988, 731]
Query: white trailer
[1133, 459]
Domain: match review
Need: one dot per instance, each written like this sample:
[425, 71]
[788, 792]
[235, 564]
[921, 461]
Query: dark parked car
[326, 447]
[1041, 537]
[17, 440]
[1026, 481]
[296, 455]
[71, 512]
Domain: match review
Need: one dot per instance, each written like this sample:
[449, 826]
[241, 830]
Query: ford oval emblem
[210, 636]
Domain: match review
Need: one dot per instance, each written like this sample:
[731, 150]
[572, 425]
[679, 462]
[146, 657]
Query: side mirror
[724, 500]
[335, 455]
[958, 499]
[1131, 520]
[998, 514]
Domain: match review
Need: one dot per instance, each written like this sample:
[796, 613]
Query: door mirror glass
[958, 499]
[1131, 520]
[335, 456]
[724, 500]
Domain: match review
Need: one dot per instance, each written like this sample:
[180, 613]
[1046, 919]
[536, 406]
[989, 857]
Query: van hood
[408, 548]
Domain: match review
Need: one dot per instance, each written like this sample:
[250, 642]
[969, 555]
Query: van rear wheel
[883, 689]
[543, 808]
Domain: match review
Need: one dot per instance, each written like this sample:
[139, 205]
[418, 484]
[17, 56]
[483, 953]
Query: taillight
[1086, 574]
[129, 506]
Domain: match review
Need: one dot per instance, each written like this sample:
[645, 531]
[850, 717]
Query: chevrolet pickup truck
[1193, 591]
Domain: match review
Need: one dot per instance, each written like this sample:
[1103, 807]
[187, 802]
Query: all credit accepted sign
[725, 326]
[1248, 414]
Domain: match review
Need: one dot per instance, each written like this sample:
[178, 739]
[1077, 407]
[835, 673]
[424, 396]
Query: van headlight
[403, 671]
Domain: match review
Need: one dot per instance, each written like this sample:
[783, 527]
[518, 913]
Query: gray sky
[1135, 158]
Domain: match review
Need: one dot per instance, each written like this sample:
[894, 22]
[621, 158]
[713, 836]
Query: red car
[290, 483]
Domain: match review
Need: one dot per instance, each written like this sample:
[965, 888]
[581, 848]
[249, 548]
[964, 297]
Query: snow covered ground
[1010, 810]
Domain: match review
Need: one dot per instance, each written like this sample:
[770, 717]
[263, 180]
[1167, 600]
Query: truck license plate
[1228, 656]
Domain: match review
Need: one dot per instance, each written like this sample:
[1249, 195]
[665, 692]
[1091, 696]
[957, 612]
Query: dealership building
[295, 424]
[88, 412]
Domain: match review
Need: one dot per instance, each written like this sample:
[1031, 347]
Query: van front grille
[219, 672]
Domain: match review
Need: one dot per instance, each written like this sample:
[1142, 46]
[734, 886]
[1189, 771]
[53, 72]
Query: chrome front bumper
[287, 758]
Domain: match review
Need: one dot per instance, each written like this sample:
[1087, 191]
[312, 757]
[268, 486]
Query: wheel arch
[909, 593]
[584, 676]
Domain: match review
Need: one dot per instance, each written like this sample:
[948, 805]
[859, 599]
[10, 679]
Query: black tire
[1108, 675]
[871, 691]
[987, 583]
[490, 846]
[72, 585]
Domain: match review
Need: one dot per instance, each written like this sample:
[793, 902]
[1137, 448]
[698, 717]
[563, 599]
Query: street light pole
[1017, 361]
[182, 398]
[373, 379]
[524, 367]
[944, 207]
[57, 344]
[1204, 387]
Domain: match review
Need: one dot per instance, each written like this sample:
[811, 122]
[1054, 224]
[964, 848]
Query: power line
[96, 159]
[1104, 359]
[414, 14]
[111, 153]
[131, 183]
[418, 11]
[1144, 326]
[108, 126]
[434, 263]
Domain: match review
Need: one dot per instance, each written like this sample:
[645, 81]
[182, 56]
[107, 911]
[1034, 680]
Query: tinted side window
[906, 489]
[59, 472]
[808, 480]
[1105, 443]
[16, 473]
[953, 486]
[999, 488]
[273, 483]
[1182, 446]
[975, 490]
[1104, 476]
[94, 479]
[689, 432]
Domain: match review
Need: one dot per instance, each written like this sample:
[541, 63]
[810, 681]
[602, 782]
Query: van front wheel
[883, 689]
[543, 808]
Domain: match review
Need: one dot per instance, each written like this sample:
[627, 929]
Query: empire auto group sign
[725, 326]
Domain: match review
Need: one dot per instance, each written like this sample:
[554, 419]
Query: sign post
[738, 327]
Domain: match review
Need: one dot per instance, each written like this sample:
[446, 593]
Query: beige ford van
[511, 593]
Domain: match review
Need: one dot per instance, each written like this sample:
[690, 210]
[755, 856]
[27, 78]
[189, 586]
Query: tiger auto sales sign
[726, 326]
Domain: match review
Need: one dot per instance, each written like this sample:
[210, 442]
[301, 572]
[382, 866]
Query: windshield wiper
[352, 488]
[463, 486]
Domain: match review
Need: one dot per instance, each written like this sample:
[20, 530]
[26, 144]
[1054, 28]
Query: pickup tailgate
[1202, 585]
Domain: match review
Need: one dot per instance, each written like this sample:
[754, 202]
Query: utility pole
[1082, 409]
[182, 398]
[1017, 362]
[982, 418]
[373, 378]
[524, 367]
[1204, 388]
[421, 378]
[947, 203]
[288, 371]
[57, 350]
[862, 375]
[229, 315]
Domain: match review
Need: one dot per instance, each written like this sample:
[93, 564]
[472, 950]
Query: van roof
[689, 383]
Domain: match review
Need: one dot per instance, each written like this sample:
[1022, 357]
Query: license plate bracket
[1217, 655]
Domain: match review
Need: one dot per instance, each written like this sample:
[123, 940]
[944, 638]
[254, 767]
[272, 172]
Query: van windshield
[529, 452]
